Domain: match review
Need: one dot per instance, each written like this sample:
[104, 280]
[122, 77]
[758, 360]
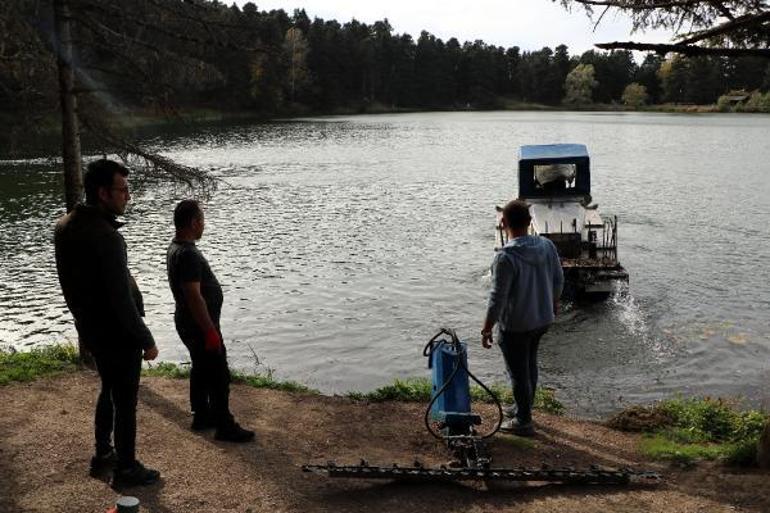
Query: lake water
[344, 243]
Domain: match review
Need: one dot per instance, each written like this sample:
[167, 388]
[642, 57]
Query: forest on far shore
[155, 55]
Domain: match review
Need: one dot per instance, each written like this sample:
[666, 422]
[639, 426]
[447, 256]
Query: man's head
[516, 216]
[188, 219]
[106, 185]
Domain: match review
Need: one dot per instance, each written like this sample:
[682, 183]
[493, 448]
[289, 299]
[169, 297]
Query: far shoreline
[142, 118]
[15, 144]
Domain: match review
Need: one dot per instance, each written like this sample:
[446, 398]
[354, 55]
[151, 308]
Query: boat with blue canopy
[555, 179]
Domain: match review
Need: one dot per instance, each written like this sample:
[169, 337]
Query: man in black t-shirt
[198, 297]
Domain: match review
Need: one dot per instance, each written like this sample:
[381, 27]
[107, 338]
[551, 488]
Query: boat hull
[593, 283]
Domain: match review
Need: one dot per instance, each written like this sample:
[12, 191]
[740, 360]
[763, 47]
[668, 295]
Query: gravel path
[46, 444]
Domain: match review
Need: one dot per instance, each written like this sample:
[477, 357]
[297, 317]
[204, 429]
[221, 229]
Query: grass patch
[660, 447]
[407, 390]
[26, 366]
[257, 380]
[16, 366]
[714, 420]
[545, 400]
[690, 429]
[267, 381]
[420, 390]
[167, 370]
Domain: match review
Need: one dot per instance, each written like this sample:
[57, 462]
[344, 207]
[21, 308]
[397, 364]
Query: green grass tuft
[174, 371]
[267, 381]
[503, 393]
[16, 366]
[706, 429]
[167, 370]
[408, 390]
[742, 453]
[713, 420]
[545, 400]
[420, 390]
[659, 447]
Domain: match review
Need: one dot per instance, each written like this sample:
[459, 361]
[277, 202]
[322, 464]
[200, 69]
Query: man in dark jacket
[199, 299]
[107, 306]
[527, 282]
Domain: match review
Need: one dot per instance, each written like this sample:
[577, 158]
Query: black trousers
[209, 382]
[116, 405]
[520, 354]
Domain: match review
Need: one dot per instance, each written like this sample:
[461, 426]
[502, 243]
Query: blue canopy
[546, 154]
[553, 151]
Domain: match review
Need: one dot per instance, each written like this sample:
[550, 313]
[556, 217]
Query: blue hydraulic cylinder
[453, 405]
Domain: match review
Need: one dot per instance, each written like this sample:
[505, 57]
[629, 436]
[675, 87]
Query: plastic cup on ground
[128, 505]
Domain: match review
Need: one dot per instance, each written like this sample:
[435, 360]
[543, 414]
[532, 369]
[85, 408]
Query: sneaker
[202, 421]
[103, 463]
[509, 411]
[137, 475]
[514, 427]
[234, 433]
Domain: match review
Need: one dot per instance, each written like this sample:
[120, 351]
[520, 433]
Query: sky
[528, 24]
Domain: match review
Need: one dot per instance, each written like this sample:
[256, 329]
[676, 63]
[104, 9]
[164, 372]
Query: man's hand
[151, 353]
[486, 338]
[556, 307]
[213, 341]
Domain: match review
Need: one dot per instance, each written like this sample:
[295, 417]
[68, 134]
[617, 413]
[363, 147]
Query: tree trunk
[763, 453]
[73, 178]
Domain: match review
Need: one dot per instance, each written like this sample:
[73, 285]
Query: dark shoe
[137, 475]
[103, 463]
[514, 427]
[202, 421]
[234, 433]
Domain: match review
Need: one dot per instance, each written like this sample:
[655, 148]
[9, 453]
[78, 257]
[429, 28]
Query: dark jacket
[100, 292]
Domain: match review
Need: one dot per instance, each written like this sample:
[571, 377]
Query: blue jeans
[520, 353]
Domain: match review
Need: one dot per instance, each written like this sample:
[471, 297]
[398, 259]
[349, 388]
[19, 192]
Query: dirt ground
[46, 443]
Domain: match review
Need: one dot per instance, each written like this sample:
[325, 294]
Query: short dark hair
[100, 173]
[516, 214]
[185, 212]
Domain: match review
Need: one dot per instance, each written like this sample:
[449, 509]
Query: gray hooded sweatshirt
[526, 278]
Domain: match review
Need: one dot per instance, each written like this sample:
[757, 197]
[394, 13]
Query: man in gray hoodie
[527, 281]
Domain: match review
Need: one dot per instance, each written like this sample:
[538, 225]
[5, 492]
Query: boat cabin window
[555, 177]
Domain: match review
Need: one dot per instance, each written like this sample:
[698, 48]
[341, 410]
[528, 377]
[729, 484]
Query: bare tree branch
[636, 6]
[746, 30]
[739, 23]
[153, 165]
[686, 49]
[723, 9]
[601, 16]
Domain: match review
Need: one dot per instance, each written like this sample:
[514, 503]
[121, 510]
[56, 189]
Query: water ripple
[343, 243]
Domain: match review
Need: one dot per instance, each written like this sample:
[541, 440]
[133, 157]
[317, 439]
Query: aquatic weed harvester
[449, 418]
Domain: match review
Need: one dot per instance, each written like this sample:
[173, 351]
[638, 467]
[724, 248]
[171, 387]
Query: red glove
[213, 341]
